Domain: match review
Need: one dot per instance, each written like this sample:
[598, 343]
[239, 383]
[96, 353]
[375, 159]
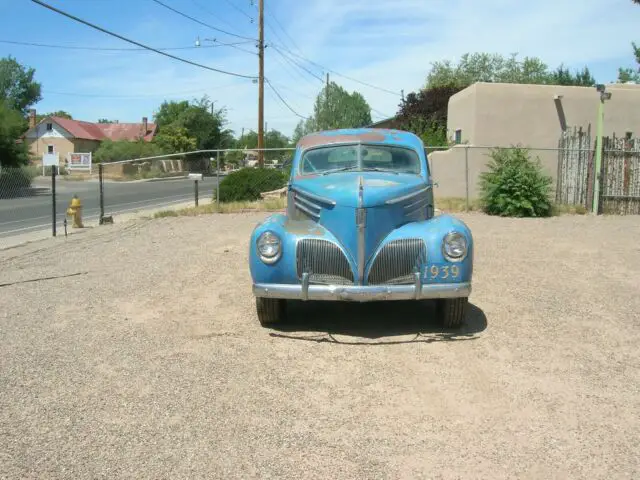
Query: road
[26, 214]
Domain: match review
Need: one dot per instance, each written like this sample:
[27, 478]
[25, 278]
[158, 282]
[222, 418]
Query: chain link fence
[33, 200]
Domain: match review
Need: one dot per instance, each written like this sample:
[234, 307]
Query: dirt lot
[149, 362]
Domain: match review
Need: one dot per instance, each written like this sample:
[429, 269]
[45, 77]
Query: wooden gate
[620, 185]
[575, 168]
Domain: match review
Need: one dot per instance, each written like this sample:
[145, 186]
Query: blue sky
[386, 43]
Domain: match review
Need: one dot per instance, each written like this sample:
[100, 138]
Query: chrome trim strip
[328, 201]
[419, 203]
[361, 215]
[307, 202]
[315, 215]
[359, 293]
[393, 201]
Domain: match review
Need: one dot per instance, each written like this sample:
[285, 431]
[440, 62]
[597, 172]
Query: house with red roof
[57, 135]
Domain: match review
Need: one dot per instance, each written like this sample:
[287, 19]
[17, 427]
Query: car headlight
[269, 247]
[454, 246]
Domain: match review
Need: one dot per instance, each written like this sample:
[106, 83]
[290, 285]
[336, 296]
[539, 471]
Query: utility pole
[261, 83]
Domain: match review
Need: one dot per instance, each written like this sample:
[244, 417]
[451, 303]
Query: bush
[248, 183]
[14, 179]
[114, 151]
[515, 185]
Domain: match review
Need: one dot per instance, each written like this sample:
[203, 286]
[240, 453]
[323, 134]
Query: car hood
[343, 187]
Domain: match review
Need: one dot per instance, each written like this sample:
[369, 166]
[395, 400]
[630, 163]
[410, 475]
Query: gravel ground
[147, 361]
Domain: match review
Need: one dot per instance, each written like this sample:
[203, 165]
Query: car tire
[453, 311]
[271, 310]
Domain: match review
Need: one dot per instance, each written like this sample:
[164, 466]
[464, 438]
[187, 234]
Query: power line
[337, 73]
[140, 95]
[240, 10]
[39, 2]
[214, 15]
[275, 19]
[199, 22]
[122, 49]
[296, 63]
[283, 100]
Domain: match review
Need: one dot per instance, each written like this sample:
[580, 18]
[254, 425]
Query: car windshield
[385, 158]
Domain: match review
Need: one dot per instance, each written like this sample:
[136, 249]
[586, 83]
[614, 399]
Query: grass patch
[456, 204]
[562, 209]
[268, 205]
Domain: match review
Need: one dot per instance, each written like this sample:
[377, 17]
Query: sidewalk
[46, 235]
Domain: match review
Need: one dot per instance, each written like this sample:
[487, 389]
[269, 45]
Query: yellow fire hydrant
[75, 211]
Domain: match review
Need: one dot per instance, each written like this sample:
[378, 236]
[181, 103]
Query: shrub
[248, 183]
[12, 180]
[113, 151]
[515, 185]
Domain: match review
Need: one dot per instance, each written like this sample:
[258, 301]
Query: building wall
[493, 114]
[39, 139]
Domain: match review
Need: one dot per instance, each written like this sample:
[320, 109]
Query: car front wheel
[271, 310]
[453, 311]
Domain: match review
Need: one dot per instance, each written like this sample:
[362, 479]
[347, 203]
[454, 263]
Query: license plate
[442, 272]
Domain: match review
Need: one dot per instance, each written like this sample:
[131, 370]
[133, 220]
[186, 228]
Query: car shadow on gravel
[386, 321]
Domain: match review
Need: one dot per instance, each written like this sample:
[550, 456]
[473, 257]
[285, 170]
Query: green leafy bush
[113, 151]
[515, 185]
[247, 184]
[12, 180]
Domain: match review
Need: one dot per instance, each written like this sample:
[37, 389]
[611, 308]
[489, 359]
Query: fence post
[196, 191]
[217, 180]
[466, 174]
[101, 188]
[53, 197]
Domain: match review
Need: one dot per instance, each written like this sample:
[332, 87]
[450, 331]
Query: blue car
[360, 226]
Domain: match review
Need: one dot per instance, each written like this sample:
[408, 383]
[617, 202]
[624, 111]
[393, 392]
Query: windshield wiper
[355, 167]
[343, 169]
[377, 169]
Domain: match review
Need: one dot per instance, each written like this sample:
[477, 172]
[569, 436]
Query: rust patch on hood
[315, 140]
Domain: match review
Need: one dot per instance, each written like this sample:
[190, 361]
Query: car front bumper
[362, 293]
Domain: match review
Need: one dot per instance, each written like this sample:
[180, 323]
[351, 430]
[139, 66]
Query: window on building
[49, 148]
[49, 127]
[458, 137]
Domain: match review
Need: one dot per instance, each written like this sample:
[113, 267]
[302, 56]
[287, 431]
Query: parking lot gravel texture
[144, 358]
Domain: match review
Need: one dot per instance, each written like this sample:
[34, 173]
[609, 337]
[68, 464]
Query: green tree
[486, 67]
[105, 120]
[272, 139]
[17, 87]
[59, 113]
[335, 108]
[174, 138]
[200, 119]
[631, 74]
[12, 125]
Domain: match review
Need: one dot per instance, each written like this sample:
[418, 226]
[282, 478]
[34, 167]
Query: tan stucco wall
[39, 146]
[494, 114]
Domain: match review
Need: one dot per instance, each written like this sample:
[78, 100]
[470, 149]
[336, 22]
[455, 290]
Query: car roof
[348, 135]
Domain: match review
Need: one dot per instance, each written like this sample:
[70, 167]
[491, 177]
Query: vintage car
[360, 225]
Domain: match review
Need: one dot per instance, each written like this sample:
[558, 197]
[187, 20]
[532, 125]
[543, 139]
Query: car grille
[397, 262]
[324, 261]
